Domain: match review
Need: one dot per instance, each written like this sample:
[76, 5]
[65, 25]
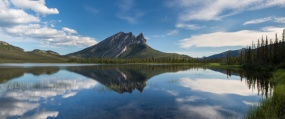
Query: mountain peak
[121, 45]
[140, 38]
[141, 35]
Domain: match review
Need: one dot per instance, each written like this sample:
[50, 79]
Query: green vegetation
[273, 107]
[271, 57]
[144, 51]
[12, 54]
[265, 55]
[219, 65]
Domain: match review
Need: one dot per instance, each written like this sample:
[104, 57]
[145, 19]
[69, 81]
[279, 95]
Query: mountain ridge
[232, 53]
[13, 54]
[122, 45]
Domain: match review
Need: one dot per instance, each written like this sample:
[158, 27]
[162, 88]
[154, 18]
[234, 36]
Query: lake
[88, 91]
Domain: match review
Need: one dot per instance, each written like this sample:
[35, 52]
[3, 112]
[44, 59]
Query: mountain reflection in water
[125, 78]
[135, 91]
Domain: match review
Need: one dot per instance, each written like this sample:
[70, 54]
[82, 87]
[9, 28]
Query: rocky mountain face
[121, 45]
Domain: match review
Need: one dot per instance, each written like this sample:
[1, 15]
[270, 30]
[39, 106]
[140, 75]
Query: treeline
[267, 53]
[145, 60]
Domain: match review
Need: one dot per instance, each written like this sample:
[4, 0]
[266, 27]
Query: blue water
[122, 92]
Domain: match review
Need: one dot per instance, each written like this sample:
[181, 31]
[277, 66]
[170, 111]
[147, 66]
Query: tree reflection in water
[127, 78]
[254, 79]
[60, 83]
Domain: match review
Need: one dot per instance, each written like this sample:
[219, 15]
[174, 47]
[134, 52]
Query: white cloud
[238, 38]
[219, 9]
[266, 19]
[188, 26]
[69, 30]
[16, 22]
[173, 32]
[279, 19]
[128, 12]
[38, 6]
[50, 36]
[34, 31]
[9, 17]
[258, 21]
[72, 41]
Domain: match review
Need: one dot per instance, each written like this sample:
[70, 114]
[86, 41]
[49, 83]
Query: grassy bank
[219, 65]
[273, 107]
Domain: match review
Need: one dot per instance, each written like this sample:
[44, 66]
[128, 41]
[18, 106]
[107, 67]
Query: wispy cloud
[218, 9]
[279, 19]
[128, 12]
[220, 39]
[188, 26]
[172, 32]
[258, 21]
[169, 33]
[17, 22]
[69, 30]
[266, 19]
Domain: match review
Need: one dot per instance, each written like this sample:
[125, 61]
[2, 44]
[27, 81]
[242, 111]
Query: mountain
[48, 52]
[232, 53]
[123, 45]
[4, 47]
[12, 54]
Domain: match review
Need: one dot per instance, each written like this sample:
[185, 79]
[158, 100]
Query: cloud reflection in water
[18, 97]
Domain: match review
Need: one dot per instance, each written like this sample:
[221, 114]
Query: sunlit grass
[219, 65]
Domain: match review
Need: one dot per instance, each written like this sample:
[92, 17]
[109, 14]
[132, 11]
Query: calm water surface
[69, 91]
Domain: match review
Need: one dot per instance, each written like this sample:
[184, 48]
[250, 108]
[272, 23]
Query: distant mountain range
[232, 53]
[123, 45]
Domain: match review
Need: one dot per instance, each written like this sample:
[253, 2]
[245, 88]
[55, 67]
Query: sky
[193, 27]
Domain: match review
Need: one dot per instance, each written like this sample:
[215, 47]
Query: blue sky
[193, 27]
